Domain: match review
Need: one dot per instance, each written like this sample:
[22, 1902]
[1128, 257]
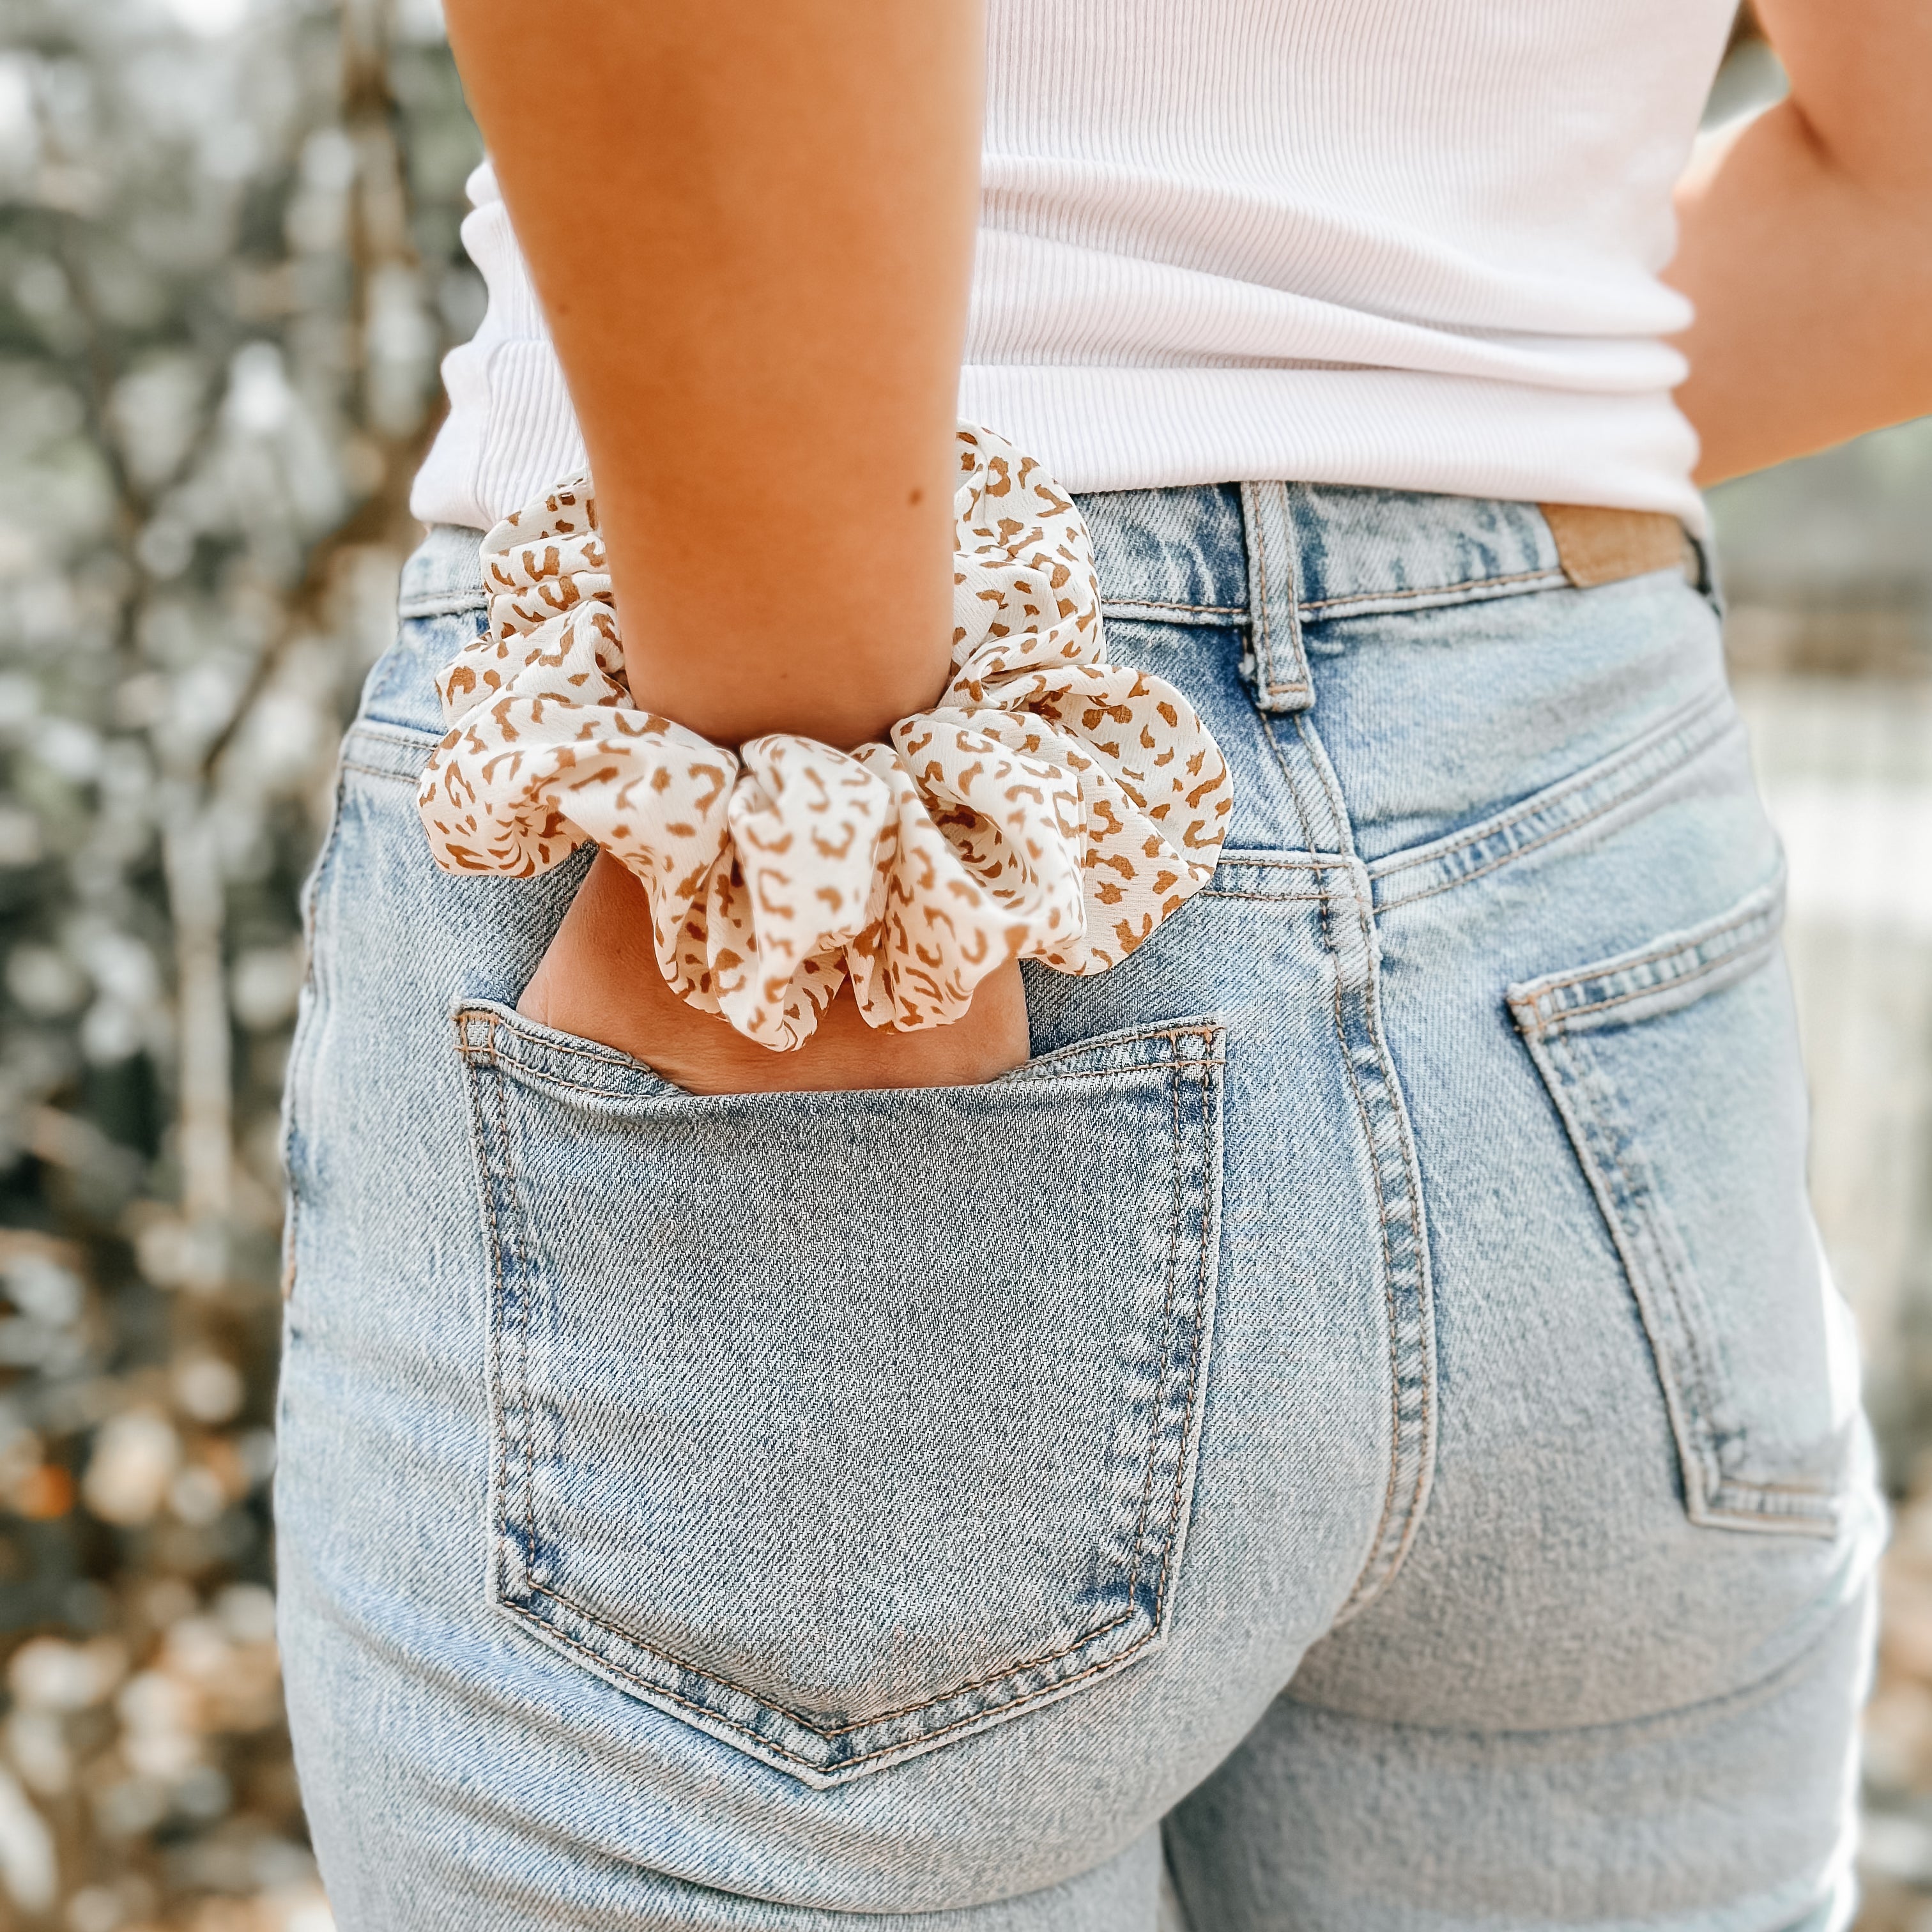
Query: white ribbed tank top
[1410, 243]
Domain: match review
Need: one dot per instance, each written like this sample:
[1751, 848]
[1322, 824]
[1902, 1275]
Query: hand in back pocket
[600, 980]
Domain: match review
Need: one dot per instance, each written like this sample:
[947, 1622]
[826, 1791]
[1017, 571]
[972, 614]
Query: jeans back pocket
[844, 1425]
[1676, 1072]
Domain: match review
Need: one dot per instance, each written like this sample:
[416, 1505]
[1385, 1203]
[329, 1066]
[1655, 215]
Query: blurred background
[229, 266]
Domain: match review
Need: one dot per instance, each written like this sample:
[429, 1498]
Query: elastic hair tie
[1050, 806]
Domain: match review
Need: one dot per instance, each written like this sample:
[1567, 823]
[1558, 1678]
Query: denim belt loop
[1282, 681]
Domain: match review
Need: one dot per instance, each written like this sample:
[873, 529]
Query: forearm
[751, 229]
[1805, 241]
[1812, 289]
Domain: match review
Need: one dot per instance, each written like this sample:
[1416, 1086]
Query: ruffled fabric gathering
[1050, 806]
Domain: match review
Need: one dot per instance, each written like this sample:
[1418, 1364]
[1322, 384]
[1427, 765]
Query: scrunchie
[1050, 806]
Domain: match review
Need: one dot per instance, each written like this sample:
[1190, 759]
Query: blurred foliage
[229, 265]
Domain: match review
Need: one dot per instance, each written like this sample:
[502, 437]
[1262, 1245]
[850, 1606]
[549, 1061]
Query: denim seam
[606, 1056]
[1557, 1021]
[1264, 898]
[627, 1065]
[1285, 862]
[418, 745]
[499, 1422]
[1763, 917]
[1190, 1385]
[503, 1244]
[1164, 1394]
[1149, 609]
[1308, 838]
[301, 1049]
[1425, 1312]
[1318, 862]
[1694, 1432]
[489, 1051]
[402, 737]
[1008, 1670]
[1173, 1033]
[1339, 834]
[1384, 1562]
[922, 1739]
[1703, 1399]
[1361, 1582]
[524, 1290]
[1554, 578]
[1679, 735]
[1695, 1410]
[378, 772]
[623, 1063]
[442, 603]
[536, 1077]
[797, 1717]
[1554, 836]
[1660, 738]
[1158, 1404]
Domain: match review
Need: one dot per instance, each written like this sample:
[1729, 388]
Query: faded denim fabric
[1357, 1433]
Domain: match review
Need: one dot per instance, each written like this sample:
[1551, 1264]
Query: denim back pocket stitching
[1558, 811]
[1555, 1015]
[1025, 1664]
[820, 1752]
[1033, 1663]
[488, 1031]
[1087, 1639]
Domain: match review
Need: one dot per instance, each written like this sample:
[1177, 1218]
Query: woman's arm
[1806, 243]
[752, 228]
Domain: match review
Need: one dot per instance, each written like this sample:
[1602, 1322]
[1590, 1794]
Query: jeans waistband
[1269, 558]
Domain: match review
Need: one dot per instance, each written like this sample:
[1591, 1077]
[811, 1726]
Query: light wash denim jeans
[1355, 1434]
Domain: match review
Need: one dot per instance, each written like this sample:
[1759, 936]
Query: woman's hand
[600, 980]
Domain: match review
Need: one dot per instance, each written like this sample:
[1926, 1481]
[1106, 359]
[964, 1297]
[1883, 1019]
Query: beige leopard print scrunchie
[1050, 806]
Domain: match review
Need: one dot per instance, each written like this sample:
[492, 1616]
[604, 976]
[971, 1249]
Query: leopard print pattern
[1051, 806]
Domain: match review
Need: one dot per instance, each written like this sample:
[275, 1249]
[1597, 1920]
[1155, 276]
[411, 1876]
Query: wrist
[836, 649]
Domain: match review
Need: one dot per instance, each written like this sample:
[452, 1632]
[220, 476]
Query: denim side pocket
[295, 1079]
[370, 749]
[844, 1426]
[1675, 1069]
